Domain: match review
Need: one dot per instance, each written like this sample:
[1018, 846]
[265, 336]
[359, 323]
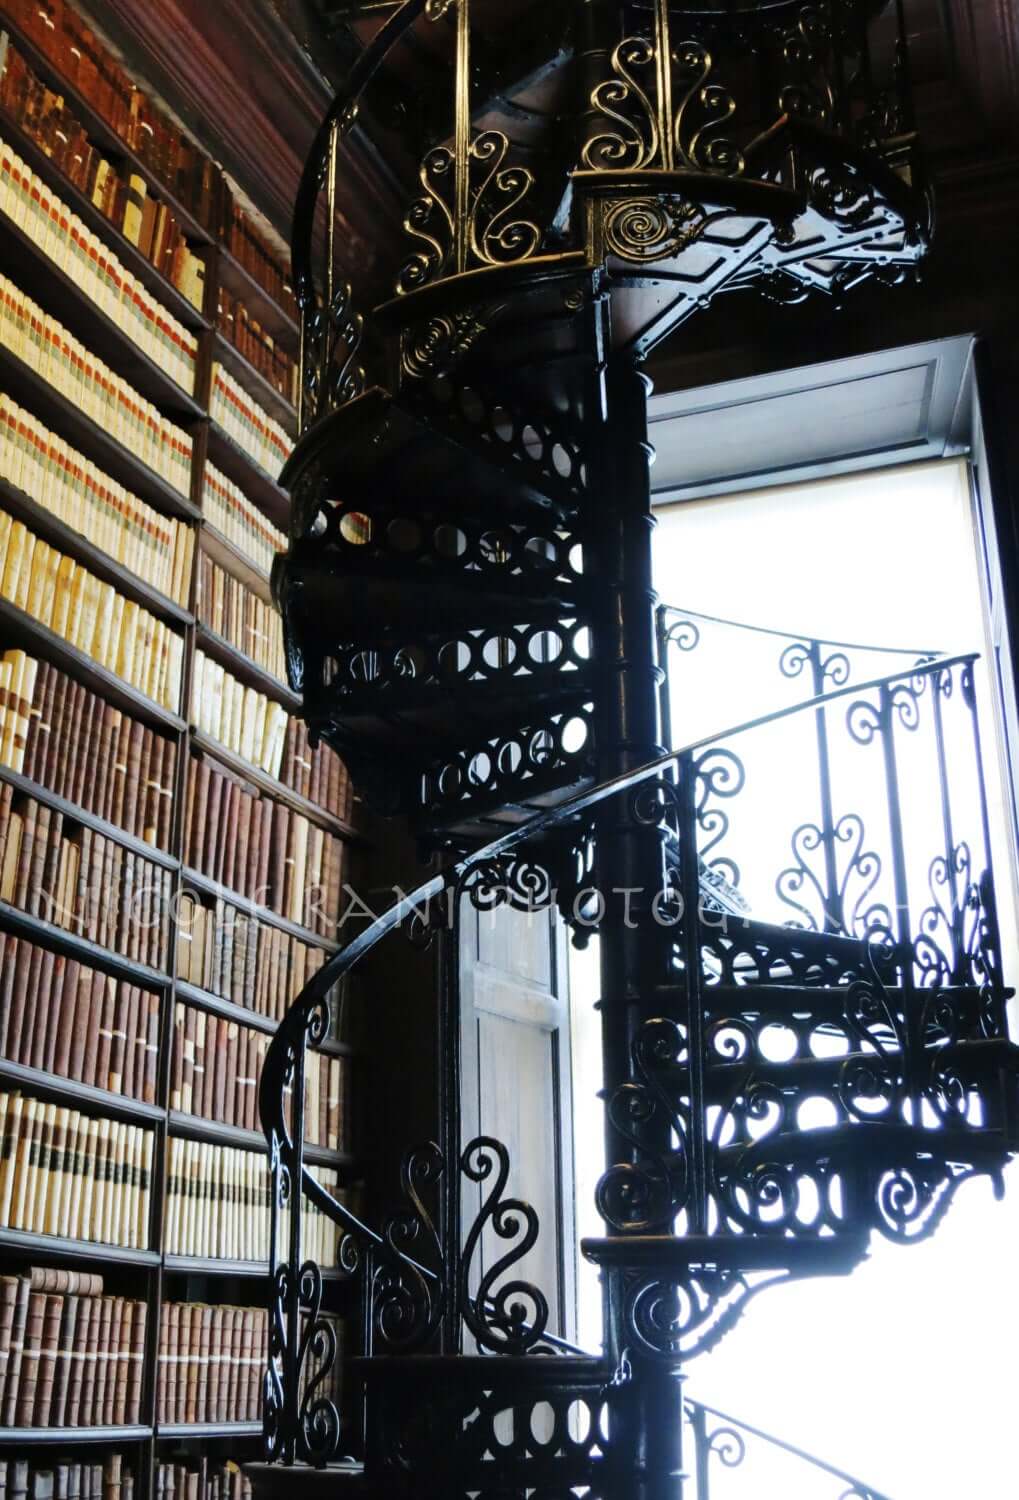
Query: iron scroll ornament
[510, 1318]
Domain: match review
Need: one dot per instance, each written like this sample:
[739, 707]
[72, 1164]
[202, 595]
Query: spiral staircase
[470, 621]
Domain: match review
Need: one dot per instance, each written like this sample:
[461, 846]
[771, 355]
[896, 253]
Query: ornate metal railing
[877, 1006]
[723, 1445]
[673, 139]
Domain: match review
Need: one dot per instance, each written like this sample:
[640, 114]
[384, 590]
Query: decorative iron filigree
[506, 1317]
[491, 235]
[650, 1191]
[649, 229]
[332, 375]
[671, 1319]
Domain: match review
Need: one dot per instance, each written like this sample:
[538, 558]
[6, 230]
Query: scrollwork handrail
[802, 638]
[734, 1428]
[343, 110]
[454, 876]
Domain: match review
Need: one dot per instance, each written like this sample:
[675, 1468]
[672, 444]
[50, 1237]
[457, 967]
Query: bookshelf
[196, 268]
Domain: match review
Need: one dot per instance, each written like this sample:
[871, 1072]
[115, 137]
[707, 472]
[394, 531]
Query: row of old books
[74, 1357]
[233, 954]
[218, 1202]
[90, 615]
[155, 547]
[57, 357]
[73, 248]
[211, 1363]
[215, 1073]
[241, 718]
[69, 1174]
[187, 1479]
[262, 262]
[68, 739]
[264, 441]
[88, 65]
[266, 852]
[82, 881]
[317, 774]
[119, 193]
[240, 617]
[77, 1479]
[257, 345]
[62, 1016]
[234, 516]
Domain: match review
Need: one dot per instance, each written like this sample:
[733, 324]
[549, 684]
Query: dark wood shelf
[196, 1265]
[72, 424]
[273, 788]
[22, 923]
[265, 914]
[128, 254]
[40, 278]
[230, 558]
[208, 1429]
[239, 282]
[16, 625]
[72, 812]
[258, 387]
[75, 544]
[51, 1437]
[69, 1090]
[195, 1128]
[243, 668]
[19, 1241]
[257, 483]
[193, 994]
[103, 134]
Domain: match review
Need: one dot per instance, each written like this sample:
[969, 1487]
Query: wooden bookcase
[148, 1273]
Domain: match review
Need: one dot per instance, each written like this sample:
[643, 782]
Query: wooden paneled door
[515, 1040]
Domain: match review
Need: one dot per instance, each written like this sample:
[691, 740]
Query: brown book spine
[49, 1346]
[30, 1358]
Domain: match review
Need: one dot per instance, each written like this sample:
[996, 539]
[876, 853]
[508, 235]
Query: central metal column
[646, 1438]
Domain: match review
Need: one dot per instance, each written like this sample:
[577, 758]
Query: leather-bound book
[42, 1012]
[114, 1367]
[226, 1071]
[48, 881]
[167, 782]
[177, 1057]
[131, 819]
[84, 767]
[40, 728]
[240, 844]
[187, 1088]
[83, 900]
[58, 1050]
[264, 851]
[198, 1086]
[205, 852]
[82, 1374]
[103, 768]
[31, 1348]
[10, 949]
[147, 1071]
[16, 1352]
[204, 1351]
[118, 791]
[136, 1357]
[49, 1345]
[26, 980]
[23, 871]
[64, 1361]
[8, 1301]
[148, 796]
[78, 1065]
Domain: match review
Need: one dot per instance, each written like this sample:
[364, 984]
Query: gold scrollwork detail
[703, 108]
[632, 138]
[435, 346]
[493, 233]
[647, 229]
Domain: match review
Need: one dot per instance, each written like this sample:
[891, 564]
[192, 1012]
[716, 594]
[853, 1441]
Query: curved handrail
[295, 1023]
[859, 1488]
[786, 635]
[343, 109]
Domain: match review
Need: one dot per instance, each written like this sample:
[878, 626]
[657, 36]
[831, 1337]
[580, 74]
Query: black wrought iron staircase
[470, 621]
